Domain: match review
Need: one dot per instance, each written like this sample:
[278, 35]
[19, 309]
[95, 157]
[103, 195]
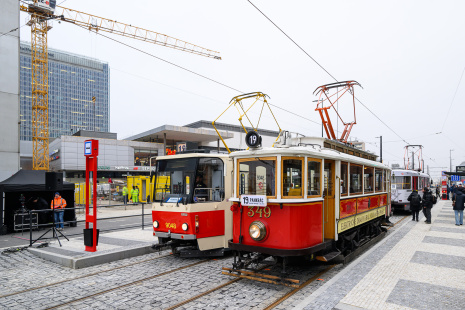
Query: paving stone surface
[406, 293]
[22, 271]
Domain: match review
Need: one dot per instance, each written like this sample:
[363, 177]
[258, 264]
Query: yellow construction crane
[41, 11]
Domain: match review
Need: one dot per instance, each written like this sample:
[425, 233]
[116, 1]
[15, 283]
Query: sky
[407, 55]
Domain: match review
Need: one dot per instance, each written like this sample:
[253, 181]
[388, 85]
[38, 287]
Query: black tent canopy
[30, 184]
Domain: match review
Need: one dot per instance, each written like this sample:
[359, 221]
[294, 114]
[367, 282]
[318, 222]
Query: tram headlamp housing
[257, 230]
[155, 224]
[184, 226]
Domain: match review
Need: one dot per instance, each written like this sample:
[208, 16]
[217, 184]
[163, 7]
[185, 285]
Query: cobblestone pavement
[22, 271]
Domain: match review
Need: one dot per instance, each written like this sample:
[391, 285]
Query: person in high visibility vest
[125, 194]
[135, 195]
[58, 206]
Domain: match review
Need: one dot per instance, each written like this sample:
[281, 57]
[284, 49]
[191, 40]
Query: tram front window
[257, 176]
[209, 180]
[175, 178]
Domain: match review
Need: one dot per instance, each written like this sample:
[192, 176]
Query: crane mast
[43, 11]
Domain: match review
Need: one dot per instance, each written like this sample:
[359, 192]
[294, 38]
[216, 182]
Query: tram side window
[344, 175]
[292, 177]
[209, 183]
[356, 180]
[368, 179]
[314, 179]
[378, 180]
[257, 177]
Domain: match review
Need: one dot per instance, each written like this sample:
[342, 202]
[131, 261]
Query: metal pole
[30, 228]
[142, 216]
[164, 143]
[381, 149]
[450, 156]
[413, 161]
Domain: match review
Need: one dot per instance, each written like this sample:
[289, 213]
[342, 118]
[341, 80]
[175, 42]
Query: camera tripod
[54, 230]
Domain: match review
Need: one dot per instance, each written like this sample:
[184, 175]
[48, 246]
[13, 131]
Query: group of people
[424, 203]
[133, 194]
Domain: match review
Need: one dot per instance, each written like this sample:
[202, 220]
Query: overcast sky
[407, 55]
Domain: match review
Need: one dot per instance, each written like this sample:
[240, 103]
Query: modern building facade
[9, 88]
[74, 82]
[116, 159]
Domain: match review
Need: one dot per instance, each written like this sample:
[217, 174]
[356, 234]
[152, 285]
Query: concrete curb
[93, 260]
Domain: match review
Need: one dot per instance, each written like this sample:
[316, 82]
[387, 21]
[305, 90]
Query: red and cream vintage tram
[310, 197]
[191, 212]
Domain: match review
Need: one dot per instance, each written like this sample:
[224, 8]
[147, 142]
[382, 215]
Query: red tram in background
[306, 196]
[191, 212]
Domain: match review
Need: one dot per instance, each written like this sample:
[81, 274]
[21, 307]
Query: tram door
[330, 195]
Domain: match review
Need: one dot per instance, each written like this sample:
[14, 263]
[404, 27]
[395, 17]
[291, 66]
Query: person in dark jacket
[458, 205]
[448, 191]
[415, 204]
[427, 204]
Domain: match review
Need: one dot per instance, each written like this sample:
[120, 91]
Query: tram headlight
[257, 230]
[155, 224]
[184, 226]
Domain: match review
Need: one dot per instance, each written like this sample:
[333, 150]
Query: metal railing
[74, 223]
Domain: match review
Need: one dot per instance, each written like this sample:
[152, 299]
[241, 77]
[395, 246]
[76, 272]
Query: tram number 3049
[261, 211]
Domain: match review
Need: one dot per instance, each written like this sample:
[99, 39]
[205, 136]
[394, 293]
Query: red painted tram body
[306, 197]
[191, 212]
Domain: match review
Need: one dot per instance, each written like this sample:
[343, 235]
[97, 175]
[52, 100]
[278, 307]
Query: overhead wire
[453, 98]
[325, 70]
[193, 72]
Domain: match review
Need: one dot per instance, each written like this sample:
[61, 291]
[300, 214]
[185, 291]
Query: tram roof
[400, 172]
[191, 155]
[315, 152]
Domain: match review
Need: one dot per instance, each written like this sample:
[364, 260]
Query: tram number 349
[262, 211]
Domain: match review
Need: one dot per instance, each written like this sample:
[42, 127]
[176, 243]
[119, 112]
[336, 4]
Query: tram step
[328, 256]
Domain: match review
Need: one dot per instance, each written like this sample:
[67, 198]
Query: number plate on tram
[260, 211]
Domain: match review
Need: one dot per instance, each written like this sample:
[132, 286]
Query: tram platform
[418, 266]
[112, 246]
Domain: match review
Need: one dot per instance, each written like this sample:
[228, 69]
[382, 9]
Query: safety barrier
[74, 223]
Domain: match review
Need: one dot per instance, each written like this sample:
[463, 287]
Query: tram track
[82, 277]
[130, 283]
[271, 306]
[277, 301]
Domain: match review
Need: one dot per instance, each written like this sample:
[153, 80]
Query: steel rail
[128, 284]
[81, 277]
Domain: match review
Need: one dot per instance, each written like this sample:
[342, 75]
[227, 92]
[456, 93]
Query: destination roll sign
[253, 200]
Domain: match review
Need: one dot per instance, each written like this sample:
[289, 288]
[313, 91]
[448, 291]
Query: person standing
[134, 194]
[125, 195]
[427, 204]
[438, 192]
[415, 204]
[136, 200]
[458, 203]
[58, 205]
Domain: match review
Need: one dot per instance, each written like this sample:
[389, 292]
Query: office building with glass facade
[73, 83]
